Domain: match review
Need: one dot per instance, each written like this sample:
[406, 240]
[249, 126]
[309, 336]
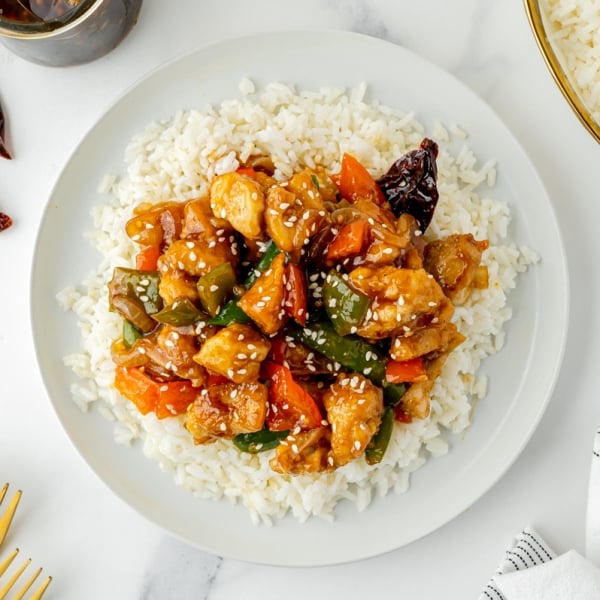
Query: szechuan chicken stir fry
[304, 316]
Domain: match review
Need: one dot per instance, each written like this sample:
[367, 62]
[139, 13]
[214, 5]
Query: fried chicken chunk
[455, 263]
[227, 409]
[402, 299]
[236, 352]
[305, 452]
[354, 408]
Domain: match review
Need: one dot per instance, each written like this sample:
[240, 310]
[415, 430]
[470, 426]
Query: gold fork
[7, 517]
[36, 595]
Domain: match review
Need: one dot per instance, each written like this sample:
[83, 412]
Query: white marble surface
[95, 546]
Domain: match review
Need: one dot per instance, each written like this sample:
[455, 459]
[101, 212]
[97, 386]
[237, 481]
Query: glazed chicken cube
[402, 299]
[199, 256]
[236, 352]
[294, 213]
[263, 302]
[241, 201]
[429, 339]
[227, 409]
[200, 222]
[354, 408]
[455, 263]
[156, 224]
[179, 351]
[305, 452]
[175, 284]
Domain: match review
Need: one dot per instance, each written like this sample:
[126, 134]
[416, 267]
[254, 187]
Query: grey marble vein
[178, 571]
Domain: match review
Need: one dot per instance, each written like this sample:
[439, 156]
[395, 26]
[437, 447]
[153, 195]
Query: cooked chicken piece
[179, 351]
[306, 187]
[402, 299]
[156, 224]
[454, 262]
[227, 409]
[199, 256]
[200, 222]
[301, 360]
[412, 256]
[235, 352]
[306, 452]
[240, 200]
[423, 341]
[417, 399]
[263, 302]
[354, 408]
[175, 284]
[294, 213]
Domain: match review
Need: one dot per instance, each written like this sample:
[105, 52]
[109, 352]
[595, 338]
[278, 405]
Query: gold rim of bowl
[536, 21]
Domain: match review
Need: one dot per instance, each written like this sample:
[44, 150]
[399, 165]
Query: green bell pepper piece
[131, 334]
[379, 442]
[181, 313]
[353, 353]
[215, 287]
[231, 312]
[350, 351]
[136, 285]
[259, 441]
[271, 251]
[345, 307]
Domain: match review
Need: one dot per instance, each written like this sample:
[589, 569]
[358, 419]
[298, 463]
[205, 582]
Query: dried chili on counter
[4, 153]
[5, 221]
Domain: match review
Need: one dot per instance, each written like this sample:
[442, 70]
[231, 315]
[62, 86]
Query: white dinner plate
[521, 376]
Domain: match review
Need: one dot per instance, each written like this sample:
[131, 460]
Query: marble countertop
[94, 545]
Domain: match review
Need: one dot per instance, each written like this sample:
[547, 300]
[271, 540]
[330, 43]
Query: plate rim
[564, 306]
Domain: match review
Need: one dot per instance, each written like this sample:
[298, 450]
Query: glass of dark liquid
[59, 33]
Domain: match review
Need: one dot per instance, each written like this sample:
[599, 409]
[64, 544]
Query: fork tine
[37, 594]
[11, 582]
[7, 517]
[8, 561]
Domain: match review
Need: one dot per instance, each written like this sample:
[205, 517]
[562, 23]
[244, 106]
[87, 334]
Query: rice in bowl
[176, 159]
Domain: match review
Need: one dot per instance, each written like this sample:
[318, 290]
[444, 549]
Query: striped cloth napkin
[592, 541]
[531, 570]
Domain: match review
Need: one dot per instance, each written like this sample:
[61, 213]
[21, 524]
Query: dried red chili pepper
[4, 153]
[5, 221]
[410, 186]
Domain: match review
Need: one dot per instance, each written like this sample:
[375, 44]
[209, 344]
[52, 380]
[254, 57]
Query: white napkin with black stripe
[592, 525]
[531, 570]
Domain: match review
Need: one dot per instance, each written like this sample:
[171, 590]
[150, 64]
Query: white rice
[573, 28]
[176, 159]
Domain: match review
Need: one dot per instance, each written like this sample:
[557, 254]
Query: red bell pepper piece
[295, 302]
[147, 258]
[290, 405]
[354, 181]
[165, 399]
[349, 241]
[401, 416]
[405, 371]
[247, 171]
